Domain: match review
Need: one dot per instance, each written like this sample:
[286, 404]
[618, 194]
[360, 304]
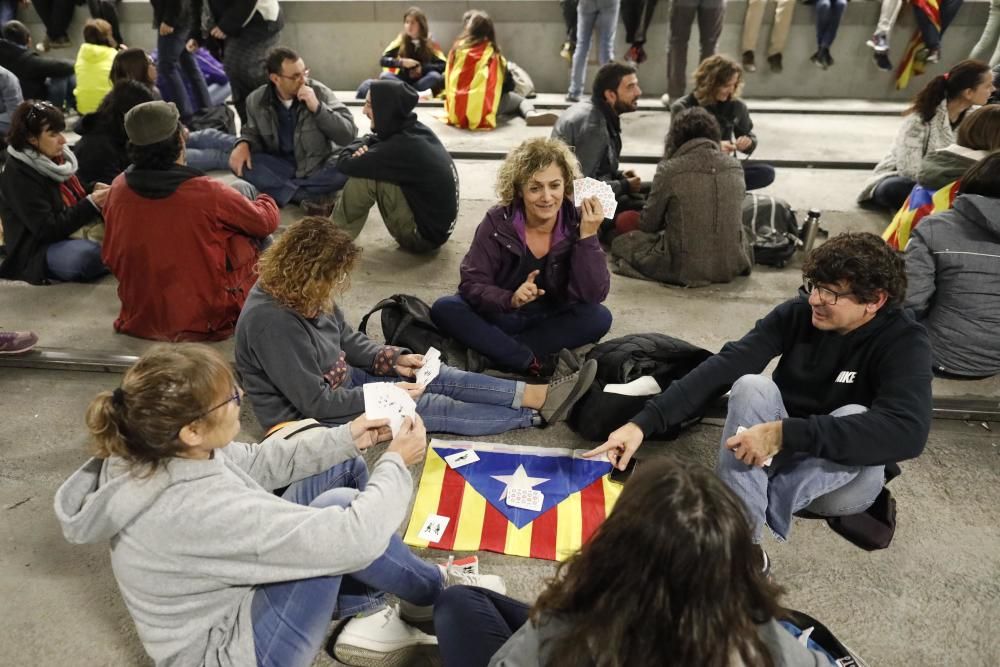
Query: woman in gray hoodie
[214, 566]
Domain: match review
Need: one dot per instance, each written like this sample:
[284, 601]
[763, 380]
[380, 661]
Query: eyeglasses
[298, 76]
[827, 297]
[237, 396]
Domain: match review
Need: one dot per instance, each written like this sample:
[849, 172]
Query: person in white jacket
[215, 568]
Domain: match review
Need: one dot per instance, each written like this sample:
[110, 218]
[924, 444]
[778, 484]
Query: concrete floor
[930, 599]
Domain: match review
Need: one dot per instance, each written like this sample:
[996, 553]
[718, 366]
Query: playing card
[432, 366]
[526, 499]
[460, 459]
[384, 400]
[434, 528]
[767, 461]
[591, 187]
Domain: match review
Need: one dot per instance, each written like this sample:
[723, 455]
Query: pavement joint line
[850, 165]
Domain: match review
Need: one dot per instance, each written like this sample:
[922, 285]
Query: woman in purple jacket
[534, 278]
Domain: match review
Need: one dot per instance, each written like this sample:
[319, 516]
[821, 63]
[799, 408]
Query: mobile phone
[621, 476]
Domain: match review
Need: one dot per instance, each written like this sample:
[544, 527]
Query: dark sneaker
[827, 58]
[17, 342]
[817, 59]
[322, 207]
[641, 52]
[632, 55]
[564, 392]
[774, 61]
[882, 61]
[879, 43]
[749, 61]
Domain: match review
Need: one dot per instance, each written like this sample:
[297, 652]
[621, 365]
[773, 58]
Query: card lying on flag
[567, 498]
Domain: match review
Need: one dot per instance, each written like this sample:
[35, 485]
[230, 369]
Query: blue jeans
[757, 174]
[465, 403]
[513, 340]
[8, 11]
[793, 481]
[472, 624]
[590, 13]
[892, 191]
[59, 91]
[275, 175]
[209, 150]
[74, 261]
[290, 618]
[828, 15]
[173, 59]
[429, 81]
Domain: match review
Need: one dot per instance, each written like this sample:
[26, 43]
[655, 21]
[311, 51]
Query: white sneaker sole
[355, 656]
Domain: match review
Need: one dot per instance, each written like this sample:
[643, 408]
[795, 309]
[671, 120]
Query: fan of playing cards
[591, 187]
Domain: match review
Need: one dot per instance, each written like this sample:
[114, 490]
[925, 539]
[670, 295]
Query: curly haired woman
[718, 82]
[534, 278]
[299, 358]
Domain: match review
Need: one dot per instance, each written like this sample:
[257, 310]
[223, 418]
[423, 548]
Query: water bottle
[810, 229]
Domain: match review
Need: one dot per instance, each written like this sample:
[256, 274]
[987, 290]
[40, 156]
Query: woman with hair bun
[930, 124]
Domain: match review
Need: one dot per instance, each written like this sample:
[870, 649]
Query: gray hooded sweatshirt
[953, 276]
[190, 542]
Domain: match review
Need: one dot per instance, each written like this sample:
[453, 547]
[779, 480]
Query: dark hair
[422, 52]
[693, 123]
[277, 56]
[30, 119]
[99, 32]
[111, 112]
[131, 64]
[966, 74]
[17, 32]
[980, 130]
[670, 578]
[862, 259]
[159, 156]
[982, 178]
[609, 77]
[478, 27]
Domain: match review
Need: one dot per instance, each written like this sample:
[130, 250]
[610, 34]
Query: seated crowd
[246, 552]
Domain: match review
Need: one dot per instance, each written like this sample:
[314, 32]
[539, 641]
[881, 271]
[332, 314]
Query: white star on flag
[519, 480]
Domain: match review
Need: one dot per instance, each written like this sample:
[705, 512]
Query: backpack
[406, 322]
[819, 638]
[523, 85]
[622, 360]
[771, 224]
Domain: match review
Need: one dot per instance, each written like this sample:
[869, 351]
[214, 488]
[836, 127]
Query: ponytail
[963, 76]
[103, 422]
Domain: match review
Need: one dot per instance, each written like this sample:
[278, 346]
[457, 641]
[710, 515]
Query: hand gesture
[100, 194]
[239, 158]
[166, 29]
[527, 292]
[756, 444]
[727, 146]
[192, 45]
[367, 432]
[591, 216]
[620, 446]
[217, 33]
[634, 182]
[408, 363]
[411, 441]
[361, 151]
[743, 144]
[307, 96]
[413, 389]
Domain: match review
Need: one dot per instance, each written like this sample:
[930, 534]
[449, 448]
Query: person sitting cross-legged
[403, 168]
[850, 396]
[299, 358]
[182, 245]
[534, 278]
[295, 126]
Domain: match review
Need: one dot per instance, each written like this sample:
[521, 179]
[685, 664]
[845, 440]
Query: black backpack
[771, 224]
[406, 322]
[622, 360]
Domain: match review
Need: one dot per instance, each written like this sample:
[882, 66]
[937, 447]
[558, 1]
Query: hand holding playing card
[411, 441]
[591, 216]
[406, 364]
[584, 188]
[367, 432]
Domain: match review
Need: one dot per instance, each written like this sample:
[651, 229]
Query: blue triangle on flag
[563, 475]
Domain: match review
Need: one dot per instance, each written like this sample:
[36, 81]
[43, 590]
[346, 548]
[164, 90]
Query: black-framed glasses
[826, 296]
[237, 396]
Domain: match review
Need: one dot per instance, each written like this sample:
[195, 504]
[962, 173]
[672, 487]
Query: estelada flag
[473, 86]
[918, 205]
[909, 66]
[577, 497]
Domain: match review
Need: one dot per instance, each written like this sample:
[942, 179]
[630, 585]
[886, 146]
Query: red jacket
[183, 247]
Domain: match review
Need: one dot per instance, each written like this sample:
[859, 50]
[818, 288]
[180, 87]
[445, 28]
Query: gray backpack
[772, 226]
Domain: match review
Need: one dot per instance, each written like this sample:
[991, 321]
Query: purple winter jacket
[489, 270]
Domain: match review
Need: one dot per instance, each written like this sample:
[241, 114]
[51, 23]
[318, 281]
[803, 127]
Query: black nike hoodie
[404, 151]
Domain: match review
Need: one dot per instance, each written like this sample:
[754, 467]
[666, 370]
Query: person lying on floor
[299, 358]
[679, 531]
[214, 567]
[534, 278]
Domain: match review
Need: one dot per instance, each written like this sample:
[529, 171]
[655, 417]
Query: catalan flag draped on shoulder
[910, 64]
[577, 497]
[473, 84]
[920, 204]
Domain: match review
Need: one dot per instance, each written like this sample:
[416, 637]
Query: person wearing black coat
[41, 77]
[42, 203]
[101, 151]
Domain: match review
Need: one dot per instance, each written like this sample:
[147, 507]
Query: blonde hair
[170, 387]
[302, 268]
[528, 159]
[713, 73]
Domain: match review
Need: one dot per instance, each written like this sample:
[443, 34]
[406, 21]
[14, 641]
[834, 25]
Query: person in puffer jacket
[93, 65]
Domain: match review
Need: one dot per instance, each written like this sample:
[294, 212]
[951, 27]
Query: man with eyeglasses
[850, 396]
[295, 126]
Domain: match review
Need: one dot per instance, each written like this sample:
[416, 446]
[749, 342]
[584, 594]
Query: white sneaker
[381, 639]
[464, 572]
[665, 100]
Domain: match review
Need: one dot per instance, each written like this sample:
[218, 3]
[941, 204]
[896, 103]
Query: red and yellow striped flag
[473, 85]
[909, 66]
[920, 203]
[581, 496]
